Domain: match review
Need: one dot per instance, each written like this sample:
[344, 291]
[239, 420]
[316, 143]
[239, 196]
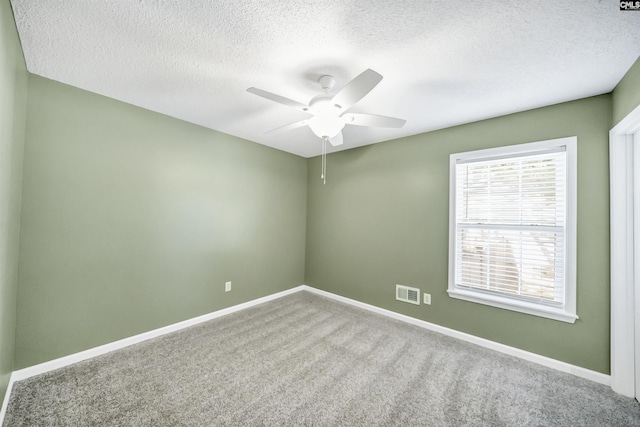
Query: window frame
[566, 313]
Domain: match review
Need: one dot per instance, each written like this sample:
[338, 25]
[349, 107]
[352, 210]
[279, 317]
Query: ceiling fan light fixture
[328, 125]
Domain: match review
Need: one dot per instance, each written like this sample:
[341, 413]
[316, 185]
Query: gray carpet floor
[305, 360]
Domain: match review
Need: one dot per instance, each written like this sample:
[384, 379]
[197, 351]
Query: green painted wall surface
[132, 220]
[626, 95]
[13, 96]
[382, 218]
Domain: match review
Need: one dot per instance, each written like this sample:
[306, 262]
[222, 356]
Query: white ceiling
[444, 62]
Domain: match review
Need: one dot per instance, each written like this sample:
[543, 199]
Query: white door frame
[622, 254]
[636, 258]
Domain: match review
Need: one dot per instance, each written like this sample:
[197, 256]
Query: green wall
[13, 95]
[626, 95]
[382, 218]
[133, 220]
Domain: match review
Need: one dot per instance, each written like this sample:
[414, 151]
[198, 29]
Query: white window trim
[566, 313]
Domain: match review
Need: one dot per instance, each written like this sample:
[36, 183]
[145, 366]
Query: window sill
[509, 304]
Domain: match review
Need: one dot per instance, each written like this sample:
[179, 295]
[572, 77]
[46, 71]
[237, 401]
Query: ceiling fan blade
[336, 140]
[372, 120]
[356, 89]
[279, 99]
[290, 126]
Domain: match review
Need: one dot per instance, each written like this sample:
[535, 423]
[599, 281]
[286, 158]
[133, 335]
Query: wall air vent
[407, 294]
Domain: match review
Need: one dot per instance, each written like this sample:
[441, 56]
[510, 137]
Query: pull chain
[323, 175]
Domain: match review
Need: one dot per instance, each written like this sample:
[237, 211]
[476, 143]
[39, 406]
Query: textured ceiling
[444, 62]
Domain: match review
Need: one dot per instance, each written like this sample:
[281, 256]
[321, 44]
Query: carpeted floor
[305, 360]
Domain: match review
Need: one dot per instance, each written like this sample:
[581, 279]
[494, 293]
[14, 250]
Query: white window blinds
[510, 225]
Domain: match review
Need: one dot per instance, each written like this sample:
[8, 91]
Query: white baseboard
[502, 348]
[116, 345]
[5, 402]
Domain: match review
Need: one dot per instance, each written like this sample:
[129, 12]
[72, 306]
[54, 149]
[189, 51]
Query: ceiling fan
[329, 112]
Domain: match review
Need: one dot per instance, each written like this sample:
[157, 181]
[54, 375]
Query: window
[512, 228]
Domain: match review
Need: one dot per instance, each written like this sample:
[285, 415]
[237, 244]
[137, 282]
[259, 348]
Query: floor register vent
[407, 294]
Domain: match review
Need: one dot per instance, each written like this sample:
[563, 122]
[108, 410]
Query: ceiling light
[326, 124]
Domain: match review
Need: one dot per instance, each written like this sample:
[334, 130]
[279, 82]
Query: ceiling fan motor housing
[323, 104]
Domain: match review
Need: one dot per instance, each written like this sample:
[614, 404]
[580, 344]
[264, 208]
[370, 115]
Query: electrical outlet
[426, 298]
[227, 287]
